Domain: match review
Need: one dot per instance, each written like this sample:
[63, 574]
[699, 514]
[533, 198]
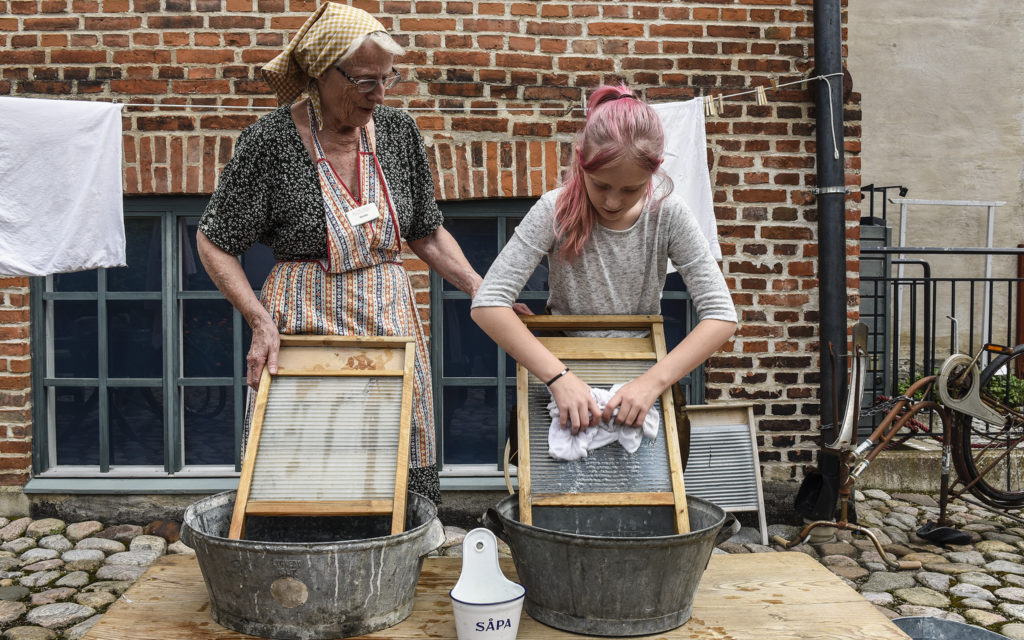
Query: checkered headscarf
[321, 40]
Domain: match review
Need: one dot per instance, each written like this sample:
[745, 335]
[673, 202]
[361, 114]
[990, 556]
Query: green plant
[1008, 389]
[906, 384]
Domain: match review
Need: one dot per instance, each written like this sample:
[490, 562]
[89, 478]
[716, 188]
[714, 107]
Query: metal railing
[915, 321]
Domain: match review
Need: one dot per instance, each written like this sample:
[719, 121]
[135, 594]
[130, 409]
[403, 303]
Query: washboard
[724, 466]
[330, 431]
[609, 476]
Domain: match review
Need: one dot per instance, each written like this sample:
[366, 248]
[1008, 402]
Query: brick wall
[522, 67]
[15, 369]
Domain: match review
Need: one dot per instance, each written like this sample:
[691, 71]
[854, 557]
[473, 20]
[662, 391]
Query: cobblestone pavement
[57, 579]
[980, 583]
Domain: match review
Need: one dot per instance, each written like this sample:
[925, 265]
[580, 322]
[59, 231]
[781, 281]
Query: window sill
[124, 484]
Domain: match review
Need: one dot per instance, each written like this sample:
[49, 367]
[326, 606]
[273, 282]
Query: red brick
[107, 23]
[205, 56]
[462, 58]
[78, 56]
[480, 124]
[429, 24]
[618, 29]
[24, 57]
[518, 60]
[552, 28]
[51, 24]
[15, 381]
[568, 63]
[142, 56]
[175, 22]
[139, 86]
[677, 31]
[746, 33]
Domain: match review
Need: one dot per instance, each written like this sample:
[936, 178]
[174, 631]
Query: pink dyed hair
[618, 126]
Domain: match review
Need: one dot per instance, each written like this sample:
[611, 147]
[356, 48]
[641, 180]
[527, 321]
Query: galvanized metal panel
[721, 467]
[609, 469]
[329, 438]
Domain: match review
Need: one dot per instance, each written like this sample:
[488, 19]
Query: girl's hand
[634, 400]
[576, 405]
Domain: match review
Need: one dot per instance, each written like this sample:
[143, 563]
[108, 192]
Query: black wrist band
[560, 374]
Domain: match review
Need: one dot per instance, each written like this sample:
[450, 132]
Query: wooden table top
[762, 596]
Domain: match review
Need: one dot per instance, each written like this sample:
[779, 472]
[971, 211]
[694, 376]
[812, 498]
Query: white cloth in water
[563, 445]
[686, 162]
[61, 206]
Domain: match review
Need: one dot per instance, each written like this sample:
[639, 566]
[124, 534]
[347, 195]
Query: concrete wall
[943, 113]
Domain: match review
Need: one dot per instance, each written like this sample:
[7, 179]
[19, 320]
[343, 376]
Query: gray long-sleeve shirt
[620, 272]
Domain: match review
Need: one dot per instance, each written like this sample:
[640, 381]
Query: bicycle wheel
[988, 456]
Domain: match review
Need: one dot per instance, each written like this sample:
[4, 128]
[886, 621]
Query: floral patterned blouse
[269, 191]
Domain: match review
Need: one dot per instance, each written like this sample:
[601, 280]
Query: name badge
[363, 214]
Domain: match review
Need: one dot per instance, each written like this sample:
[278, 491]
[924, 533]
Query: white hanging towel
[61, 204]
[563, 445]
[686, 162]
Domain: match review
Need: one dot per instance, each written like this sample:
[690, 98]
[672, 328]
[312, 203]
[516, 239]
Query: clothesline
[710, 109]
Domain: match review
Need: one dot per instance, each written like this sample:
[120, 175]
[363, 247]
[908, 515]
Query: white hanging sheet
[686, 162]
[61, 206]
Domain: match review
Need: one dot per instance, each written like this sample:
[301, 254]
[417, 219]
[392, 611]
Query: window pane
[209, 414]
[674, 282]
[144, 257]
[136, 425]
[75, 341]
[193, 275]
[135, 338]
[538, 307]
[468, 351]
[257, 262]
[76, 425]
[477, 238]
[676, 314]
[246, 341]
[206, 338]
[78, 281]
[470, 425]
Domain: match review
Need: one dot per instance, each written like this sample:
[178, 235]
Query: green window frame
[465, 220]
[166, 387]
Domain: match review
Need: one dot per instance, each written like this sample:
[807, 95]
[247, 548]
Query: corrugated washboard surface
[329, 438]
[609, 469]
[721, 467]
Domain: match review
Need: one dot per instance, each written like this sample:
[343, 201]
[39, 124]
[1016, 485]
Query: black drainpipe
[828, 59]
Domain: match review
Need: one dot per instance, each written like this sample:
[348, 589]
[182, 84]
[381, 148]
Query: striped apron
[361, 289]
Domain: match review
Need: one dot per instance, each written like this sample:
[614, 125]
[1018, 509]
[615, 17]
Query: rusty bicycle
[981, 412]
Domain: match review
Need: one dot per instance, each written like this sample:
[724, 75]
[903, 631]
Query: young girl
[608, 234]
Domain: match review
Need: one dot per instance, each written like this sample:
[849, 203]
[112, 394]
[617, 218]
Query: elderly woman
[332, 182]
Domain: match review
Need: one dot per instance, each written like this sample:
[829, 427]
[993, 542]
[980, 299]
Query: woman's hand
[521, 309]
[577, 408]
[266, 342]
[633, 400]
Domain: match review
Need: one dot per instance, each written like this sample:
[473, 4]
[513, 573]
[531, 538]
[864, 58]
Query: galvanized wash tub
[609, 571]
[310, 578]
[930, 628]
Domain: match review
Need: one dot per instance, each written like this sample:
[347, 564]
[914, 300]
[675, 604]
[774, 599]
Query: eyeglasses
[367, 85]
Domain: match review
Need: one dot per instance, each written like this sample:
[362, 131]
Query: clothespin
[721, 103]
[762, 99]
[709, 101]
[774, 81]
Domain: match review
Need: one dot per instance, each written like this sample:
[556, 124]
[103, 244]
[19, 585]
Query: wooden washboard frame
[359, 374]
[592, 353]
